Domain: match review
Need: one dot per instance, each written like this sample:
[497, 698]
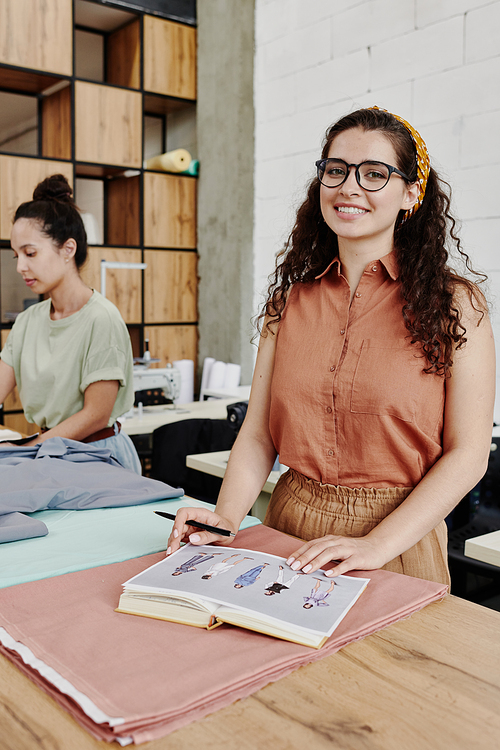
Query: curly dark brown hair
[429, 285]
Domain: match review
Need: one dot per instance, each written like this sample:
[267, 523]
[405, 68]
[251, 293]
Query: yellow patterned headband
[423, 161]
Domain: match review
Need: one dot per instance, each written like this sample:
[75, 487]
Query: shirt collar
[388, 261]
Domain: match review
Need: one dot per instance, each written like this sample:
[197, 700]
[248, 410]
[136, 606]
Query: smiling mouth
[350, 210]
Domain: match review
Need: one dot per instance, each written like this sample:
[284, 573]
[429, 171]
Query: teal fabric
[85, 539]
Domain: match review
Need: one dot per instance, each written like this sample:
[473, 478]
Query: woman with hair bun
[374, 380]
[70, 355]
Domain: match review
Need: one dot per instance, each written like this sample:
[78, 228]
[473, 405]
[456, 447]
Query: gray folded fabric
[15, 526]
[66, 474]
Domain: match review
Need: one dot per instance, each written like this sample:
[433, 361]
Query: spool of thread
[173, 161]
[186, 369]
[232, 375]
[217, 375]
[207, 366]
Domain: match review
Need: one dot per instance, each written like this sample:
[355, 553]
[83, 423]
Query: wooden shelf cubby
[18, 178]
[172, 342]
[169, 52]
[123, 56]
[37, 35]
[99, 89]
[108, 125]
[14, 418]
[169, 211]
[171, 303]
[123, 205]
[123, 286]
[56, 124]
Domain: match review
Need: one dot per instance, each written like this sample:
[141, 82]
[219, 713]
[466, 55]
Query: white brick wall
[368, 23]
[325, 84]
[430, 11]
[482, 32]
[418, 53]
[435, 62]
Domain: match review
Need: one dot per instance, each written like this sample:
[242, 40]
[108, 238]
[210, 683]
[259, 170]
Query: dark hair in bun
[54, 208]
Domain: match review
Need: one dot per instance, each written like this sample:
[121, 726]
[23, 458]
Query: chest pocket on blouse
[388, 380]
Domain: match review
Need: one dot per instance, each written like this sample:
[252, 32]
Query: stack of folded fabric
[135, 679]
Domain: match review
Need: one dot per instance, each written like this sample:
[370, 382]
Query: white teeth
[349, 210]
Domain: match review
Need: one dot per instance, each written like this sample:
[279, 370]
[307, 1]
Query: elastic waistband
[368, 502]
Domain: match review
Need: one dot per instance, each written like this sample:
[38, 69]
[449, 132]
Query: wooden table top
[431, 682]
[215, 463]
[156, 416]
[485, 548]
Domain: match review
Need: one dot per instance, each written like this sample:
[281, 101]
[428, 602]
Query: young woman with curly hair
[374, 380]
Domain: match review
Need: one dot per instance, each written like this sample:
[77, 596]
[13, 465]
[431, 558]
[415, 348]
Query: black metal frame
[182, 11]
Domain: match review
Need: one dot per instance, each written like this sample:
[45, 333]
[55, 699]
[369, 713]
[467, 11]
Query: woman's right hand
[183, 532]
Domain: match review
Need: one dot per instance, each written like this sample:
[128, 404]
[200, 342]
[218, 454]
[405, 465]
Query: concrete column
[225, 123]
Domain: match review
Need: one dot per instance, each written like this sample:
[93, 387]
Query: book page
[255, 582]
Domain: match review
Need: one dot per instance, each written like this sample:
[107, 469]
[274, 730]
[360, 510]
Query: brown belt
[106, 432]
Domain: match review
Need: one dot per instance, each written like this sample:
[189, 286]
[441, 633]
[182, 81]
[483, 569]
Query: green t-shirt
[55, 360]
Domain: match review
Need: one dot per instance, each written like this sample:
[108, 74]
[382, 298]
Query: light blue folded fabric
[14, 526]
[57, 447]
[66, 474]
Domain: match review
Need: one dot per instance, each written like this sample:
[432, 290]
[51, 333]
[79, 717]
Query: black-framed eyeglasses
[370, 175]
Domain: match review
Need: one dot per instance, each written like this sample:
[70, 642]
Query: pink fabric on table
[159, 676]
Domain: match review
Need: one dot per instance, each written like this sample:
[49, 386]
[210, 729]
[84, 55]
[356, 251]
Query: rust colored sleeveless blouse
[350, 403]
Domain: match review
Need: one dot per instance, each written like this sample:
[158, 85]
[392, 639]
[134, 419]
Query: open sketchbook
[207, 586]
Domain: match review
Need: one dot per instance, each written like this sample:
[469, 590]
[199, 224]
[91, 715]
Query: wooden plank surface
[169, 343]
[432, 681]
[123, 56]
[12, 401]
[108, 125]
[170, 292]
[169, 211]
[123, 211]
[17, 79]
[18, 178]
[56, 124]
[19, 423]
[37, 34]
[169, 58]
[123, 286]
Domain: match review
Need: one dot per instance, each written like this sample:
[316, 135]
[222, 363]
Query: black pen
[198, 525]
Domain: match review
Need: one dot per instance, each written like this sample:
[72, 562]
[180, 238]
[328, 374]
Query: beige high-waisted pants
[308, 510]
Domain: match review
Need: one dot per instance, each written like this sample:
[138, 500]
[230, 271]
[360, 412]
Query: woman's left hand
[354, 554]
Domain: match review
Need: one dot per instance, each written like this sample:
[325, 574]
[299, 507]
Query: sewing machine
[167, 379]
